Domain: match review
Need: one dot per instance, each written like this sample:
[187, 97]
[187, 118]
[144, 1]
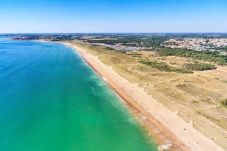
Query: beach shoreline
[167, 128]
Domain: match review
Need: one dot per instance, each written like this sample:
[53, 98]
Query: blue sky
[70, 16]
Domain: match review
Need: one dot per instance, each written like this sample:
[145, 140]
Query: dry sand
[159, 121]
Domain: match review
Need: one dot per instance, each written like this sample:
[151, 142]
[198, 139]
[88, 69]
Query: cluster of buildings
[120, 47]
[199, 44]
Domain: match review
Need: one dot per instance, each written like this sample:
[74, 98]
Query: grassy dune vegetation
[214, 57]
[224, 102]
[167, 76]
[162, 66]
[199, 66]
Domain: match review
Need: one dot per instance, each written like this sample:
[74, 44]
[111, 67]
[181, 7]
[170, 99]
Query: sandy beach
[168, 129]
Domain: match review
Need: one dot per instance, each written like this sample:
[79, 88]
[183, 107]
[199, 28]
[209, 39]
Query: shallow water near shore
[51, 100]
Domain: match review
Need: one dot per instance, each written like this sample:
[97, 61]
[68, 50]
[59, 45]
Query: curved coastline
[51, 99]
[168, 129]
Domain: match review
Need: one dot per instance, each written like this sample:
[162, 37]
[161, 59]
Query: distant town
[147, 41]
[199, 44]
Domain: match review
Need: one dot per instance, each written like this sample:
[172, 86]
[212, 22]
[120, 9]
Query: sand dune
[152, 114]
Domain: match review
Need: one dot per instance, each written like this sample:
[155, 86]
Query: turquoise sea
[51, 100]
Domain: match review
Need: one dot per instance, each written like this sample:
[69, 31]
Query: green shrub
[224, 102]
[198, 66]
[162, 66]
[198, 55]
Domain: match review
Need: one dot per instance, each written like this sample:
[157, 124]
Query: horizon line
[115, 33]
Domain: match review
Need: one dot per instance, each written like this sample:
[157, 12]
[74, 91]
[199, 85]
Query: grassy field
[179, 83]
